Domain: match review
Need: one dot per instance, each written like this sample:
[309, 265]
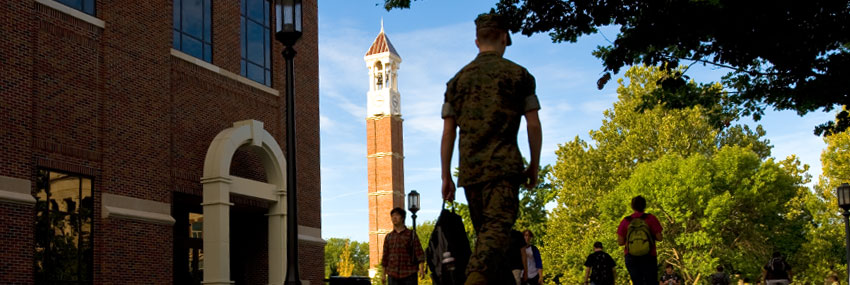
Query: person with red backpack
[639, 232]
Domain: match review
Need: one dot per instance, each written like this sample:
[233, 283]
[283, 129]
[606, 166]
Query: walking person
[670, 277]
[777, 271]
[533, 273]
[599, 267]
[486, 101]
[403, 257]
[720, 277]
[639, 232]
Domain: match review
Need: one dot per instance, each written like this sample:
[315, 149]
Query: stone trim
[225, 73]
[380, 232]
[378, 117]
[73, 12]
[382, 193]
[16, 190]
[123, 207]
[385, 154]
[310, 234]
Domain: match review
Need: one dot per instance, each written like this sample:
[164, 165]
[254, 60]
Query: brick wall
[114, 104]
[386, 173]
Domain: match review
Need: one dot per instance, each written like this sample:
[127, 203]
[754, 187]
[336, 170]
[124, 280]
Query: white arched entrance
[218, 184]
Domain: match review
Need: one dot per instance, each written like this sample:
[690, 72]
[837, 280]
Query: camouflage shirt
[488, 98]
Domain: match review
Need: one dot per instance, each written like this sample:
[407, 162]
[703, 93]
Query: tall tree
[346, 265]
[824, 247]
[585, 172]
[730, 208]
[786, 54]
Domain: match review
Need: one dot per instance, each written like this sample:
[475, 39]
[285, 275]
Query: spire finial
[382, 24]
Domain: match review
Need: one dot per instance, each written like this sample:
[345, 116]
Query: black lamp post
[288, 31]
[413, 206]
[843, 195]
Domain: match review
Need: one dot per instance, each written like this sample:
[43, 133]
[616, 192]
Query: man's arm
[621, 240]
[586, 274]
[535, 140]
[447, 146]
[658, 236]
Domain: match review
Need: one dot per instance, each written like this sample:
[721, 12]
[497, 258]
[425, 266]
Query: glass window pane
[255, 72]
[207, 20]
[266, 47]
[89, 7]
[242, 36]
[255, 42]
[175, 17]
[298, 16]
[242, 70]
[193, 18]
[255, 10]
[175, 39]
[192, 46]
[268, 78]
[207, 52]
[266, 13]
[76, 4]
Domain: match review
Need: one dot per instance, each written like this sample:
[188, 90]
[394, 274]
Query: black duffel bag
[448, 249]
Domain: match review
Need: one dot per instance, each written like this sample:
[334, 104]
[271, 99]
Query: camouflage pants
[493, 208]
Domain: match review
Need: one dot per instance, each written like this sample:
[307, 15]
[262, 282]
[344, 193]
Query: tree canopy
[784, 54]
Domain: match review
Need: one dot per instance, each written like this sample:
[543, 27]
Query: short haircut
[597, 245]
[400, 211]
[638, 203]
[776, 254]
[528, 232]
[720, 268]
[669, 266]
[489, 36]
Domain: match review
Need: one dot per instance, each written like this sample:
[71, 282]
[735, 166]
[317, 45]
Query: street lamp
[843, 195]
[413, 206]
[288, 31]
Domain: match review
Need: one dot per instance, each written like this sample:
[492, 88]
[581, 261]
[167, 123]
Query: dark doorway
[249, 237]
[188, 239]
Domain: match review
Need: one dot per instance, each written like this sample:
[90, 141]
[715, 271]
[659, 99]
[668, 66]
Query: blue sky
[435, 39]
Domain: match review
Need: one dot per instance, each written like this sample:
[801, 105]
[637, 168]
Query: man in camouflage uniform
[486, 100]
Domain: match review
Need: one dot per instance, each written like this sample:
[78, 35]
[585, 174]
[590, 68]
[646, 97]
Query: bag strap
[443, 207]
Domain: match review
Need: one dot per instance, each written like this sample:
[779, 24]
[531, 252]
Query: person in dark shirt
[720, 277]
[600, 267]
[670, 277]
[777, 271]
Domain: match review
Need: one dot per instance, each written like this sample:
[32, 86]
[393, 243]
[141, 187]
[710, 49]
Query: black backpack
[449, 235]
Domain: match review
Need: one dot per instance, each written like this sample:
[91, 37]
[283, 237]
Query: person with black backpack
[777, 271]
[600, 267]
[639, 232]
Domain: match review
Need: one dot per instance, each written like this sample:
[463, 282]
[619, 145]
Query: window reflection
[192, 28]
[255, 44]
[63, 230]
[85, 6]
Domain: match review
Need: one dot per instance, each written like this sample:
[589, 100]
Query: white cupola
[383, 61]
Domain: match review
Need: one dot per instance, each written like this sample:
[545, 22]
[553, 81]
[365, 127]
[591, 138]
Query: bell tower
[385, 155]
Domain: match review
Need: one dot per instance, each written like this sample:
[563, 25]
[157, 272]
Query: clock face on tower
[396, 105]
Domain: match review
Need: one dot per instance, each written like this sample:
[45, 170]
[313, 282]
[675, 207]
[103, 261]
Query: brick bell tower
[385, 155]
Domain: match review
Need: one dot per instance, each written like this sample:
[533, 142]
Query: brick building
[140, 143]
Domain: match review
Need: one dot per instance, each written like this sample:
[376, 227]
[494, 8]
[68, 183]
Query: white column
[277, 239]
[216, 230]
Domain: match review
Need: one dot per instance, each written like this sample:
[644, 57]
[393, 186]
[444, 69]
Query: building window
[63, 228]
[86, 6]
[255, 30]
[192, 28]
